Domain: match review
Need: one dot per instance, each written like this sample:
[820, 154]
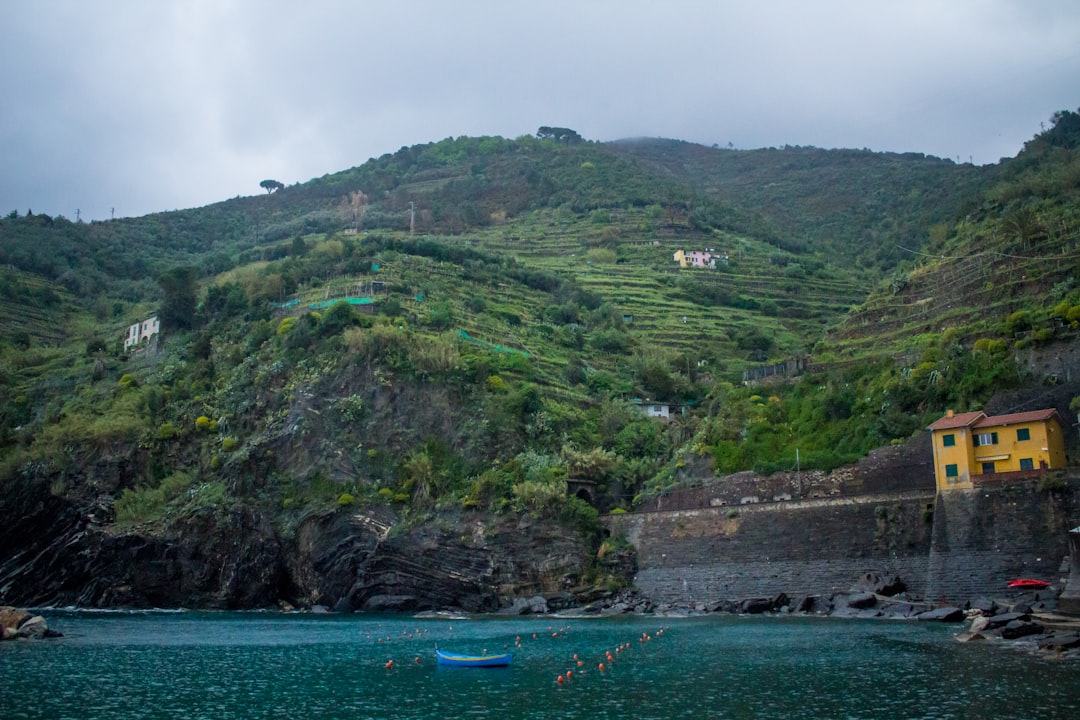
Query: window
[988, 468]
[950, 471]
[948, 440]
[1027, 464]
[986, 439]
[1023, 434]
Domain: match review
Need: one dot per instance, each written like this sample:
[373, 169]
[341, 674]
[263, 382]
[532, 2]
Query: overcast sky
[149, 105]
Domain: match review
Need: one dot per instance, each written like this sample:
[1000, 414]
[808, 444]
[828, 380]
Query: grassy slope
[603, 221]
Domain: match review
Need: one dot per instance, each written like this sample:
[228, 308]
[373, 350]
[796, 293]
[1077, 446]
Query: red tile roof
[958, 420]
[979, 419]
[1016, 418]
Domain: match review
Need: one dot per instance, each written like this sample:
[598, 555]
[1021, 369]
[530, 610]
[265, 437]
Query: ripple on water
[223, 666]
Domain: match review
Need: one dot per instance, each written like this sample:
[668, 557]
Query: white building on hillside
[142, 331]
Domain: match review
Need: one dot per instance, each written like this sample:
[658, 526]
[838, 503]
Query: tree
[559, 134]
[271, 185]
[178, 305]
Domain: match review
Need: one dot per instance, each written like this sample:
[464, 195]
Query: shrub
[229, 444]
[351, 408]
[128, 380]
[1019, 321]
[141, 505]
[345, 500]
[580, 514]
[1052, 482]
[990, 346]
[202, 423]
[285, 326]
[148, 504]
[167, 431]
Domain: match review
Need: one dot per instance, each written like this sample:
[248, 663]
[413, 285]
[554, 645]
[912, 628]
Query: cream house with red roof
[972, 447]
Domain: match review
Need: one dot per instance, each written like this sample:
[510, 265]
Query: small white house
[660, 410]
[141, 331]
[664, 411]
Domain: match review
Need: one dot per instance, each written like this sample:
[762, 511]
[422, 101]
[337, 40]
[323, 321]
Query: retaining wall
[953, 547]
[807, 547]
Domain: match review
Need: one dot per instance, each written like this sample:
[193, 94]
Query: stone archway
[584, 489]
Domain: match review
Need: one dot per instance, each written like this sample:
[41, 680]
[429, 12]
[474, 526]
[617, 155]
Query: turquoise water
[252, 665]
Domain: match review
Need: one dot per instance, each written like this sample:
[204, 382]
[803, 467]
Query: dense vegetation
[513, 304]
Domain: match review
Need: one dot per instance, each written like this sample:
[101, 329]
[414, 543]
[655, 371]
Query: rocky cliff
[54, 552]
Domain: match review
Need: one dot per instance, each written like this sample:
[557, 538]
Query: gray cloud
[155, 106]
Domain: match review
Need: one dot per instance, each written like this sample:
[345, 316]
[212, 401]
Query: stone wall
[800, 548]
[954, 547]
[995, 533]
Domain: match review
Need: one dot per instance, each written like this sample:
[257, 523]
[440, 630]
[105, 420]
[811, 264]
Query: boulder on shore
[942, 614]
[16, 623]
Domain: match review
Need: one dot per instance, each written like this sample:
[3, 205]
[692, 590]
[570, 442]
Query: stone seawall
[948, 549]
[998, 532]
[799, 548]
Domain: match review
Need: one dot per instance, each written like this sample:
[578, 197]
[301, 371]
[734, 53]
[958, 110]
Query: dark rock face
[225, 559]
[430, 567]
[54, 554]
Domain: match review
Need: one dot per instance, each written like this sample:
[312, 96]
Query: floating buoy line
[576, 672]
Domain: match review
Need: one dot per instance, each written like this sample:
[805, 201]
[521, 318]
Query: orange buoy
[569, 674]
[579, 663]
[417, 658]
[575, 656]
[389, 664]
[559, 679]
[601, 667]
[534, 636]
[554, 634]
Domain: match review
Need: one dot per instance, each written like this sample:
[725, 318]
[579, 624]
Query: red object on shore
[1026, 583]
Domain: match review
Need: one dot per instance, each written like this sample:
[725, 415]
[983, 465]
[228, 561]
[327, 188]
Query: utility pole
[412, 217]
[798, 473]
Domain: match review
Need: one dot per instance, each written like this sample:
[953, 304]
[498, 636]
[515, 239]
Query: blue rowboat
[456, 659]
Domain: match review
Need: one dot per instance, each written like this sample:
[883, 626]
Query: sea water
[195, 665]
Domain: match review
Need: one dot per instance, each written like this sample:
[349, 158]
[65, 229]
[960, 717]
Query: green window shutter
[951, 471]
[1023, 434]
[948, 440]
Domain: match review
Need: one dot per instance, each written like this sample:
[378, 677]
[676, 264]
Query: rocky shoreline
[1027, 620]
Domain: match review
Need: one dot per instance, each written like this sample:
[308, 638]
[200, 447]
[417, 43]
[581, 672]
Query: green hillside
[471, 323]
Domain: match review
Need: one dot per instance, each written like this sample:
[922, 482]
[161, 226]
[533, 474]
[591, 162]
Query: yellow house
[969, 447]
